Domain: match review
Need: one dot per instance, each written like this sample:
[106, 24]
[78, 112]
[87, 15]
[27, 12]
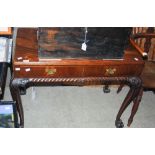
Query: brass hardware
[50, 71]
[110, 71]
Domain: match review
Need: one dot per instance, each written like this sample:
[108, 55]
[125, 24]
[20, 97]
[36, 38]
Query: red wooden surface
[26, 57]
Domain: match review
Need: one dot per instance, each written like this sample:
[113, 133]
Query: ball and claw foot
[106, 89]
[119, 123]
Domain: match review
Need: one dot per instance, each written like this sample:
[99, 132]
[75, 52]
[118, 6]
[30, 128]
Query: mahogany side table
[29, 70]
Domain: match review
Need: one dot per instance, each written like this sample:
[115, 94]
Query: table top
[26, 53]
[26, 62]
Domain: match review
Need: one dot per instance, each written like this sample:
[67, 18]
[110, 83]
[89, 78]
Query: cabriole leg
[15, 92]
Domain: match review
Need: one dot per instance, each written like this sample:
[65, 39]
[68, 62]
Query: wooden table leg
[135, 85]
[125, 104]
[135, 105]
[120, 88]
[15, 92]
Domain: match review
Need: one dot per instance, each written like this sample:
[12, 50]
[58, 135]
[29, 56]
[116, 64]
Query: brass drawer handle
[50, 71]
[110, 71]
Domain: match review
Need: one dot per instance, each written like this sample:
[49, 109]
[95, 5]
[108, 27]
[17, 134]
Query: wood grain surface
[27, 63]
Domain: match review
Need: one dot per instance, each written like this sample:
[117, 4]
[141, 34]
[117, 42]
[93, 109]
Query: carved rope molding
[131, 81]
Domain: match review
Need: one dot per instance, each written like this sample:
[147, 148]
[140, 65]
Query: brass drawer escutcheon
[50, 71]
[110, 71]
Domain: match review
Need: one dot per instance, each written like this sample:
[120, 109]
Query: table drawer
[47, 71]
[76, 71]
[113, 70]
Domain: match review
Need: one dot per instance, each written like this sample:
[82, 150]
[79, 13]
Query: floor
[81, 107]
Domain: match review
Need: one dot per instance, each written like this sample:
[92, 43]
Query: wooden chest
[27, 63]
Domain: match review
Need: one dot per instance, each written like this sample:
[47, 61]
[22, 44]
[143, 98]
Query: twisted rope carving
[75, 79]
[81, 81]
[131, 81]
